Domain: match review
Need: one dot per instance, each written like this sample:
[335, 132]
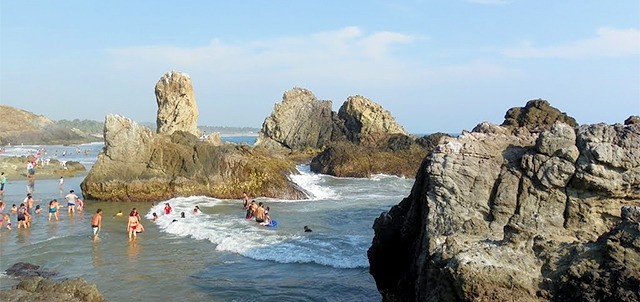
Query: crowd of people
[258, 211]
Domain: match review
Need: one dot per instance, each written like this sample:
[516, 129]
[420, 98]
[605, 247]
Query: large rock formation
[536, 116]
[507, 214]
[366, 121]
[177, 109]
[18, 126]
[360, 140]
[299, 122]
[139, 165]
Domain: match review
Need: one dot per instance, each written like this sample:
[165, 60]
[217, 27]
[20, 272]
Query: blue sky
[435, 65]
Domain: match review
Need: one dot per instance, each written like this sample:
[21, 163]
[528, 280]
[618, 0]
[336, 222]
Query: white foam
[232, 233]
[313, 183]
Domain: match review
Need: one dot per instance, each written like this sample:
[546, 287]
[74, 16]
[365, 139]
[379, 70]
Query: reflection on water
[133, 250]
[95, 252]
[52, 229]
[24, 236]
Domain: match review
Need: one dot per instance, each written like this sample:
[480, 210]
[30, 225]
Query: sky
[440, 65]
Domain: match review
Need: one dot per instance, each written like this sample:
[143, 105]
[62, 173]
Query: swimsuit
[95, 229]
[70, 204]
[52, 210]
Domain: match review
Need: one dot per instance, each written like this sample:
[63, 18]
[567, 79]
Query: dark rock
[41, 289]
[23, 269]
[536, 116]
[634, 119]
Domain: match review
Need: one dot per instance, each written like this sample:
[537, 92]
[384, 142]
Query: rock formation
[35, 285]
[177, 109]
[366, 121]
[139, 165]
[299, 122]
[536, 116]
[360, 140]
[517, 214]
[18, 126]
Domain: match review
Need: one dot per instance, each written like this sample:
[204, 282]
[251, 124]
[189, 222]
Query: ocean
[214, 256]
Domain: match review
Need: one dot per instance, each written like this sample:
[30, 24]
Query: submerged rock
[41, 289]
[506, 214]
[23, 269]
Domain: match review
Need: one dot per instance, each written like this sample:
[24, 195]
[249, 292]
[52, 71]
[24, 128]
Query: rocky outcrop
[366, 121]
[508, 214]
[299, 122]
[15, 167]
[399, 155]
[177, 108]
[360, 140]
[18, 126]
[139, 165]
[41, 289]
[35, 285]
[536, 116]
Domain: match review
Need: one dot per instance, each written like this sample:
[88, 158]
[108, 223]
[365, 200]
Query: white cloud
[607, 42]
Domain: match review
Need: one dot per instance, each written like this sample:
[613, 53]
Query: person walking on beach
[96, 223]
[71, 201]
[3, 181]
[54, 207]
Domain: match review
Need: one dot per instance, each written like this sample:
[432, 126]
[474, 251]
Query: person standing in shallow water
[96, 223]
[71, 201]
[3, 181]
[132, 225]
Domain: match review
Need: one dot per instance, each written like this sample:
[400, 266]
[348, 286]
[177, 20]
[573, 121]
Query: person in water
[182, 215]
[155, 217]
[96, 223]
[196, 210]
[167, 209]
[259, 213]
[38, 209]
[251, 210]
[132, 225]
[307, 229]
[118, 214]
[53, 209]
[140, 228]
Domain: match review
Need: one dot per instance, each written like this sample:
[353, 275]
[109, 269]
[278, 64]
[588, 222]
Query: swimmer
[197, 211]
[167, 209]
[14, 208]
[118, 214]
[38, 209]
[155, 217]
[182, 215]
[307, 229]
[96, 223]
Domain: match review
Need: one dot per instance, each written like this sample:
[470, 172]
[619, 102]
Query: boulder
[177, 108]
[536, 116]
[299, 122]
[23, 269]
[520, 215]
[366, 121]
[40, 289]
[139, 165]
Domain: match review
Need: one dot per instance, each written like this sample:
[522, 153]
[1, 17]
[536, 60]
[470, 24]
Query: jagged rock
[366, 121]
[34, 289]
[536, 116]
[177, 108]
[634, 119]
[138, 165]
[501, 216]
[299, 122]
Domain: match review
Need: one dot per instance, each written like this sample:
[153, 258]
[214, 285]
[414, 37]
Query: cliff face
[501, 214]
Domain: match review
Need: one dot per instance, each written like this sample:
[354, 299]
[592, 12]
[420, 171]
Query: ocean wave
[313, 183]
[234, 234]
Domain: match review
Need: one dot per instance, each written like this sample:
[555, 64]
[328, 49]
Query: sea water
[217, 255]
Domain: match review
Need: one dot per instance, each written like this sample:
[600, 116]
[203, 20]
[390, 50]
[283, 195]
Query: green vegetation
[86, 126]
